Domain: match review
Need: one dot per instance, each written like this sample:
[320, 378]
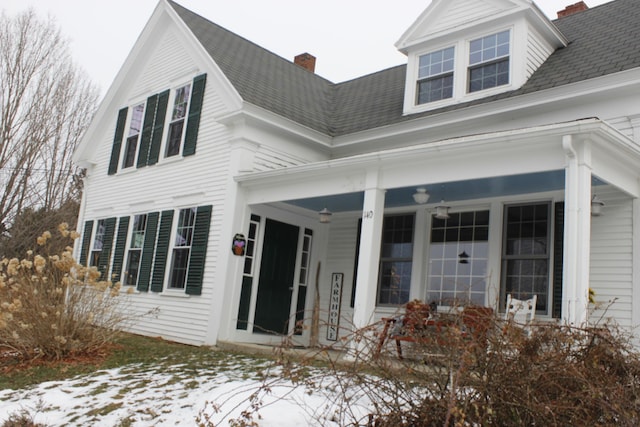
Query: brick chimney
[573, 8]
[306, 61]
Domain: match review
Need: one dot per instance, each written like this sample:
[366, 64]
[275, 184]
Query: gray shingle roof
[602, 40]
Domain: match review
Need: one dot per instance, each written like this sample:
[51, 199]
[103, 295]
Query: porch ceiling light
[442, 211]
[421, 196]
[596, 206]
[325, 216]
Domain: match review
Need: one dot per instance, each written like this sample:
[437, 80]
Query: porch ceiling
[450, 192]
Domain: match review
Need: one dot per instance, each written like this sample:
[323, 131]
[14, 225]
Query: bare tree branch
[46, 103]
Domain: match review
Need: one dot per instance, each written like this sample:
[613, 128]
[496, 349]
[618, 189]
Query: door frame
[302, 222]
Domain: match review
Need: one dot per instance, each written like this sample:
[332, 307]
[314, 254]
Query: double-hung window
[489, 61]
[435, 76]
[98, 243]
[133, 137]
[178, 117]
[134, 255]
[526, 253]
[396, 259]
[182, 248]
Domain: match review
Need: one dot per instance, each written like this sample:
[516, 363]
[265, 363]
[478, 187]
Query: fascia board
[541, 145]
[481, 142]
[563, 93]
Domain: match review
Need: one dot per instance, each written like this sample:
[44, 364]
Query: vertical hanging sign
[335, 302]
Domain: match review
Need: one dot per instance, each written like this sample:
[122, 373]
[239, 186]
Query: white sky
[350, 38]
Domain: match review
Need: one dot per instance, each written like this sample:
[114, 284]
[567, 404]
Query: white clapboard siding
[461, 12]
[173, 183]
[537, 51]
[611, 257]
[170, 59]
[340, 259]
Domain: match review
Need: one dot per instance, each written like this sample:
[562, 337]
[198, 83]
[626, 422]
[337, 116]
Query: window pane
[435, 89]
[130, 151]
[132, 268]
[180, 103]
[458, 266]
[175, 138]
[136, 120]
[435, 63]
[179, 267]
[396, 256]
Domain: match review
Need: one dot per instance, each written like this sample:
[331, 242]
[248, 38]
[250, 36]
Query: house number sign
[335, 301]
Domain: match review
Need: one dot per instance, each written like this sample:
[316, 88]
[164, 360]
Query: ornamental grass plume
[52, 307]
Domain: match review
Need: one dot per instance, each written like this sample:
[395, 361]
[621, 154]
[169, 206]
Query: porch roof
[471, 167]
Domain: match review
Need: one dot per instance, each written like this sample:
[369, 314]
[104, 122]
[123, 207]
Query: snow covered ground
[170, 395]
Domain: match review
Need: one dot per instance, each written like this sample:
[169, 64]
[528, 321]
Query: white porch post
[577, 231]
[369, 257]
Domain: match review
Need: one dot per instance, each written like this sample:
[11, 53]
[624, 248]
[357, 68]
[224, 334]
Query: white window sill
[177, 293]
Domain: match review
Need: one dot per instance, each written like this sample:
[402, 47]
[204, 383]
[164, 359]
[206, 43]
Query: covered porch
[507, 213]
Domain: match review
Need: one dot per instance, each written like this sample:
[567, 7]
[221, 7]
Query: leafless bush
[499, 374]
[52, 307]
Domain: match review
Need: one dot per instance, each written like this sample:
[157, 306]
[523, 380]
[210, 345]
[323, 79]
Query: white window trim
[125, 136]
[125, 261]
[170, 255]
[167, 123]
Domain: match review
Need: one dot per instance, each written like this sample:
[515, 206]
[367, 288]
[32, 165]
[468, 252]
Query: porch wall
[341, 252]
[612, 258]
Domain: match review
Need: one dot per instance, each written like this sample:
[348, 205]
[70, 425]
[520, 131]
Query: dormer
[463, 50]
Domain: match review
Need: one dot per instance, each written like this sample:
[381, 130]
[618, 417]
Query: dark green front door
[277, 273]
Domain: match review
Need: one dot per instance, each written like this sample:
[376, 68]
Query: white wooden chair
[521, 312]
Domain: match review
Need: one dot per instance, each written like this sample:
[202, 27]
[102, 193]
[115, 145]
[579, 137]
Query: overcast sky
[350, 38]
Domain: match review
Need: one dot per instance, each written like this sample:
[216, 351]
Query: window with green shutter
[117, 141]
[147, 130]
[86, 242]
[162, 250]
[198, 250]
[193, 122]
[118, 253]
[106, 243]
[148, 251]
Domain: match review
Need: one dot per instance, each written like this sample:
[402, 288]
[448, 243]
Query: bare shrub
[52, 307]
[498, 374]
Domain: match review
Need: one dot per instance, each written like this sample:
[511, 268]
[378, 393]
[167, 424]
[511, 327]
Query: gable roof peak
[445, 17]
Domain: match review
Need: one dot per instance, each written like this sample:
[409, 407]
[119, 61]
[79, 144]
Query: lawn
[150, 382]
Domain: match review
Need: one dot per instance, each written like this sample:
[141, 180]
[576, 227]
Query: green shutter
[148, 247]
[147, 130]
[162, 249]
[558, 248]
[86, 241]
[193, 122]
[118, 253]
[117, 141]
[198, 254]
[107, 244]
[158, 128]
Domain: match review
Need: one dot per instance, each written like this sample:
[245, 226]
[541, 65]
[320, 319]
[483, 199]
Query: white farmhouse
[502, 158]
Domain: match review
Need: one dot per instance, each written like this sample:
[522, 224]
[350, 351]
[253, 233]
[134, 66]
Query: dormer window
[435, 76]
[489, 61]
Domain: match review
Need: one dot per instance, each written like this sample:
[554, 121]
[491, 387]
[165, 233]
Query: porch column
[577, 231]
[369, 257]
